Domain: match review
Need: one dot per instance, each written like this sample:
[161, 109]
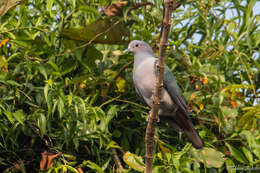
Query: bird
[173, 107]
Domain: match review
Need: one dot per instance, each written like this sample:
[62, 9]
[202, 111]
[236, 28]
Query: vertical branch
[169, 6]
[117, 160]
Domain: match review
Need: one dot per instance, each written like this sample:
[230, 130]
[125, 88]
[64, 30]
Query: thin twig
[90, 41]
[114, 78]
[169, 6]
[124, 101]
[38, 59]
[25, 94]
[123, 69]
[117, 160]
[247, 72]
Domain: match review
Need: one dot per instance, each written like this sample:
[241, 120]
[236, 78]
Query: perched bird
[173, 107]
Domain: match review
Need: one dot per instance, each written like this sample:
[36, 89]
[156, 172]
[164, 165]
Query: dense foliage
[66, 85]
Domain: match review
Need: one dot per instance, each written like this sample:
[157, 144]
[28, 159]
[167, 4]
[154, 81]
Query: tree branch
[117, 160]
[169, 5]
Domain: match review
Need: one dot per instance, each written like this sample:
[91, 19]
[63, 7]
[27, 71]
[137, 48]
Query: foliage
[66, 92]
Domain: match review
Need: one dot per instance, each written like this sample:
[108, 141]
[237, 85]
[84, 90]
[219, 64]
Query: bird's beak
[127, 50]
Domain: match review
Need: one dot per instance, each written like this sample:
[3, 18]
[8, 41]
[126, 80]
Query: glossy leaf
[212, 157]
[239, 156]
[134, 161]
[42, 123]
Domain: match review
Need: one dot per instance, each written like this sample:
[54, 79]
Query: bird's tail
[181, 122]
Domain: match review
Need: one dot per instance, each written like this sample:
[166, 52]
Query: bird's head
[136, 46]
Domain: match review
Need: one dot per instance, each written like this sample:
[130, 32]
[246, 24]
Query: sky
[256, 9]
[231, 13]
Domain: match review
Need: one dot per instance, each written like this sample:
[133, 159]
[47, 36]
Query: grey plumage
[173, 107]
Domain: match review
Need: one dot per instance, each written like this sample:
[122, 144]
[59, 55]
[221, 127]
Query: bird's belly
[146, 86]
[144, 79]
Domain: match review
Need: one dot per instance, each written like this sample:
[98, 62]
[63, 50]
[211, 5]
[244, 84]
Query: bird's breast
[144, 80]
[144, 77]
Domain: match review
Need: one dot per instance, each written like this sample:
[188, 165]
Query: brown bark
[169, 6]
[118, 162]
[47, 160]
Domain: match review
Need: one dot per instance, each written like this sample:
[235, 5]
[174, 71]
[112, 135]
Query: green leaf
[60, 105]
[229, 112]
[116, 133]
[89, 9]
[54, 65]
[212, 157]
[112, 112]
[100, 31]
[13, 56]
[9, 116]
[42, 124]
[71, 168]
[50, 5]
[19, 116]
[92, 54]
[248, 155]
[256, 37]
[112, 144]
[68, 66]
[231, 167]
[134, 161]
[121, 84]
[253, 144]
[229, 115]
[14, 83]
[236, 154]
[46, 89]
[43, 71]
[93, 166]
[70, 97]
[247, 121]
[69, 157]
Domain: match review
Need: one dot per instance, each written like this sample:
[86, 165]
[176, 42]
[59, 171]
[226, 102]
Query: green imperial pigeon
[173, 107]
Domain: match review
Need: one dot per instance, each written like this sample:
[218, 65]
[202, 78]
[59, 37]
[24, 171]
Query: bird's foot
[150, 116]
[158, 120]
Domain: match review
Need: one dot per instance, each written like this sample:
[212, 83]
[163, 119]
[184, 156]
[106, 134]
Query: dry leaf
[6, 5]
[233, 103]
[115, 9]
[43, 160]
[47, 159]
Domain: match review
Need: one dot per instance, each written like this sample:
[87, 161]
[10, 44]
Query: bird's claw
[150, 115]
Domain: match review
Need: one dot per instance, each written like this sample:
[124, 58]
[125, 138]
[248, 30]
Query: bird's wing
[140, 94]
[170, 85]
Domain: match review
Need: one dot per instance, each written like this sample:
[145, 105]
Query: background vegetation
[66, 86]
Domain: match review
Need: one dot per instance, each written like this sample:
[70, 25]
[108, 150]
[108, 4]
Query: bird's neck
[140, 57]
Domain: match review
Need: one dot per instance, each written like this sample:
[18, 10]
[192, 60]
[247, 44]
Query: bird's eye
[136, 45]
